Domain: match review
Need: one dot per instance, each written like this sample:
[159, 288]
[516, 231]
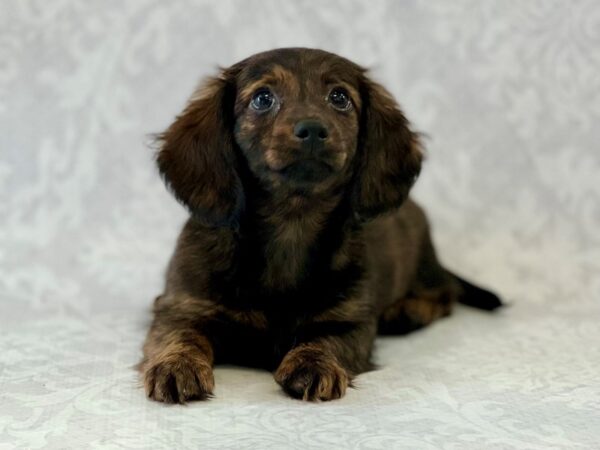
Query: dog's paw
[178, 378]
[311, 374]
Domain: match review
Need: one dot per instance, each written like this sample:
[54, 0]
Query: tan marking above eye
[279, 78]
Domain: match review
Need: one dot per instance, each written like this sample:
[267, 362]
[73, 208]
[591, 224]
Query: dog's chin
[306, 173]
[304, 177]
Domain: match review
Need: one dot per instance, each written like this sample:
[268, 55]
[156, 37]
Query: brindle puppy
[294, 166]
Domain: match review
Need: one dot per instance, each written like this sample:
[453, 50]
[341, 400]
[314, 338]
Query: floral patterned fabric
[508, 96]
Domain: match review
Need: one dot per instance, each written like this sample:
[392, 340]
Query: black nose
[310, 131]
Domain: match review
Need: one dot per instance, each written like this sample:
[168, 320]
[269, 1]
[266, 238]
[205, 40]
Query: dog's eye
[262, 100]
[340, 99]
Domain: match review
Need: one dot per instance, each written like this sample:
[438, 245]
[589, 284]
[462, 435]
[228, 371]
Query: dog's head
[303, 122]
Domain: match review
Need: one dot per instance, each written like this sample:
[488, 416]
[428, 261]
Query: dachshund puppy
[301, 243]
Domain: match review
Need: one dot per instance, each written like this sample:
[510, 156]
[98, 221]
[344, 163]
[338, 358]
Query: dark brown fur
[292, 271]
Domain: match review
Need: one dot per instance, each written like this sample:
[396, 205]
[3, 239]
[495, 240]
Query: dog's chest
[287, 255]
[258, 326]
[294, 264]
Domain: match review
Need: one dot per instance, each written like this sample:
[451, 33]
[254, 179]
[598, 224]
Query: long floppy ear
[389, 154]
[197, 158]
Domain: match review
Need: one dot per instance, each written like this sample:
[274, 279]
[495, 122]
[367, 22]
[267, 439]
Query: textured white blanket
[508, 95]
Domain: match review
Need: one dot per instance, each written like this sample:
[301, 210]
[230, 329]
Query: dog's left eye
[262, 100]
[340, 99]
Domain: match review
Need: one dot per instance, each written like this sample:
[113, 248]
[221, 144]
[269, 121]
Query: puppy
[301, 244]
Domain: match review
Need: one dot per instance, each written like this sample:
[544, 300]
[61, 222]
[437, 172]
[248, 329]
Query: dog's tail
[475, 296]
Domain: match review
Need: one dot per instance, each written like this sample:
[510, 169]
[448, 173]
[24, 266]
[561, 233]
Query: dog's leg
[178, 358]
[432, 293]
[322, 368]
[416, 311]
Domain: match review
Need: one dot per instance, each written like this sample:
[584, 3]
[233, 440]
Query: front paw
[177, 378]
[309, 373]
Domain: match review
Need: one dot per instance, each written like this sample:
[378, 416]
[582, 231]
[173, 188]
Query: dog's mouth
[308, 170]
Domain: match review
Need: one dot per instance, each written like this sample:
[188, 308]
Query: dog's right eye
[262, 100]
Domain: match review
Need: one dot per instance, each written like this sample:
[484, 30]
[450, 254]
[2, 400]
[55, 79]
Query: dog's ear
[389, 154]
[196, 155]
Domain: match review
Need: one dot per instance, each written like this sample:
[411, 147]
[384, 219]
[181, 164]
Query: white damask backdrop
[508, 93]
